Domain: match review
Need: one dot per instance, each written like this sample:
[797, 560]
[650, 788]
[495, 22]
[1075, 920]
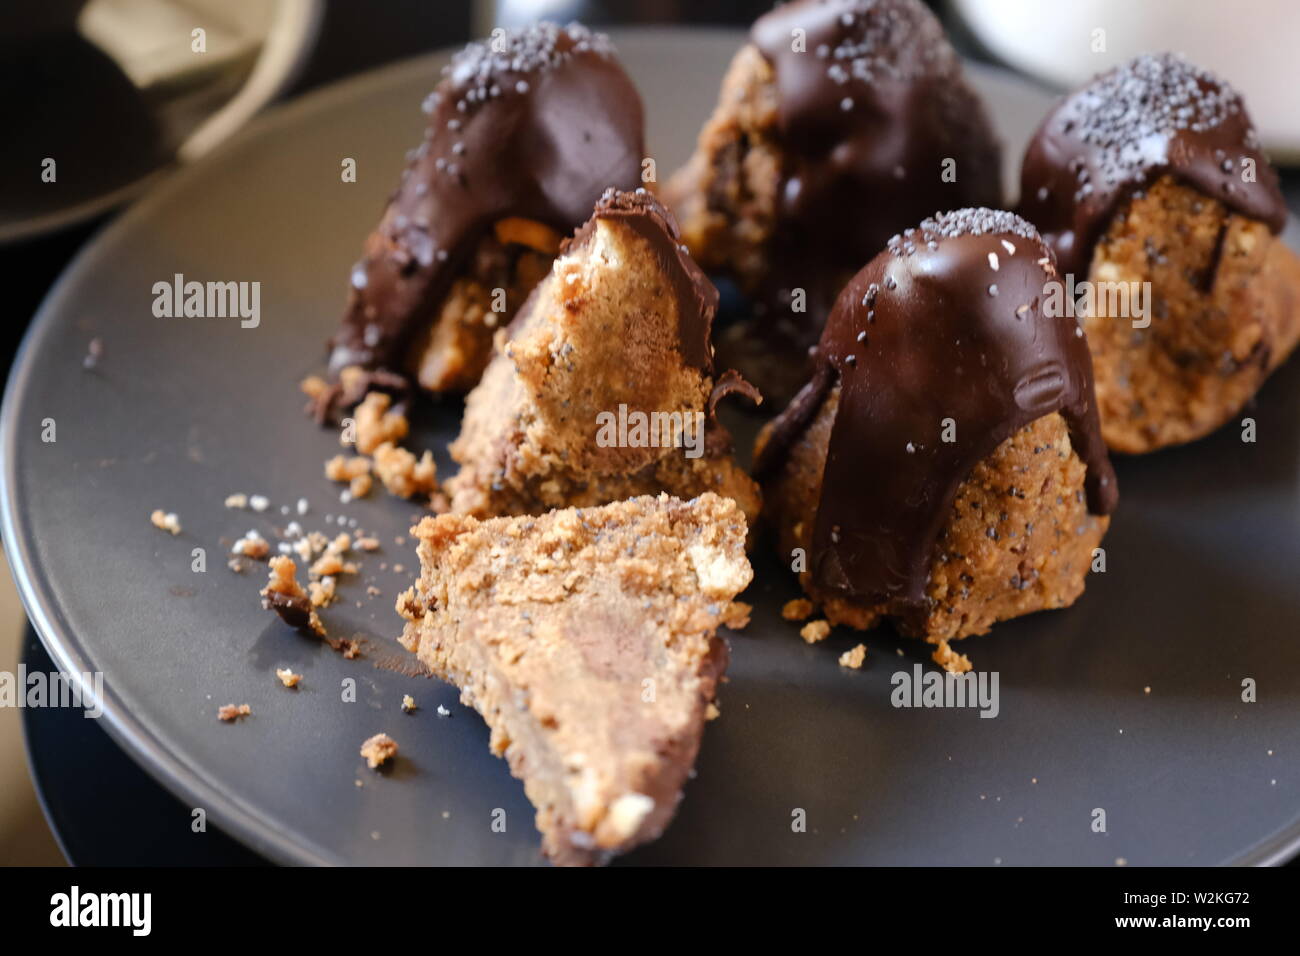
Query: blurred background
[114, 88]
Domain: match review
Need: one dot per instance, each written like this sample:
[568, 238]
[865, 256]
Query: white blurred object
[150, 40]
[1249, 43]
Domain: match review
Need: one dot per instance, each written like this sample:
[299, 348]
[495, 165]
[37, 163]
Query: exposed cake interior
[587, 640]
[604, 387]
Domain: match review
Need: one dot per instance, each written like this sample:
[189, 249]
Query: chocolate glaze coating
[1153, 115]
[947, 323]
[536, 128]
[868, 113]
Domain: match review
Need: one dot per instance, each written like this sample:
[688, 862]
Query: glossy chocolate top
[1117, 135]
[947, 323]
[871, 103]
[533, 123]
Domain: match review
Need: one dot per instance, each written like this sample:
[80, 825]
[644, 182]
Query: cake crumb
[736, 616]
[259, 502]
[408, 703]
[287, 677]
[376, 424]
[232, 712]
[712, 712]
[367, 544]
[284, 595]
[854, 658]
[950, 660]
[344, 469]
[313, 386]
[167, 521]
[378, 750]
[251, 545]
[239, 500]
[815, 631]
[797, 610]
[403, 474]
[322, 592]
[331, 562]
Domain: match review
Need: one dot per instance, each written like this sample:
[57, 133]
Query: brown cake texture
[815, 156]
[587, 639]
[944, 467]
[1150, 185]
[1017, 539]
[1224, 313]
[525, 131]
[619, 329]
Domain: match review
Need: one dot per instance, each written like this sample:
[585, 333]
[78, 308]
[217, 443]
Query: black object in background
[104, 810]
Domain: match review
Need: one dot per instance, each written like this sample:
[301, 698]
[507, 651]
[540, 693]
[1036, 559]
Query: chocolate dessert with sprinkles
[525, 133]
[840, 123]
[1153, 174]
[943, 467]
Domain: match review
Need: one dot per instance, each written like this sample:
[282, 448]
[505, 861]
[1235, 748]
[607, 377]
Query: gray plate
[1200, 592]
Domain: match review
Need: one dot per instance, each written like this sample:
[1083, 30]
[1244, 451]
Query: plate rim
[145, 747]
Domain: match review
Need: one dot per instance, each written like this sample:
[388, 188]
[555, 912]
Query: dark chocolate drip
[947, 323]
[870, 107]
[697, 297]
[535, 123]
[1155, 115]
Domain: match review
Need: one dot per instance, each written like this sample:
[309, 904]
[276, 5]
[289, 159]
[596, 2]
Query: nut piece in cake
[816, 154]
[524, 133]
[1150, 186]
[944, 466]
[605, 387]
[587, 640]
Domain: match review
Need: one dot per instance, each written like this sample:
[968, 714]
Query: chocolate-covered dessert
[1153, 174]
[605, 386]
[840, 123]
[525, 132]
[943, 467]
